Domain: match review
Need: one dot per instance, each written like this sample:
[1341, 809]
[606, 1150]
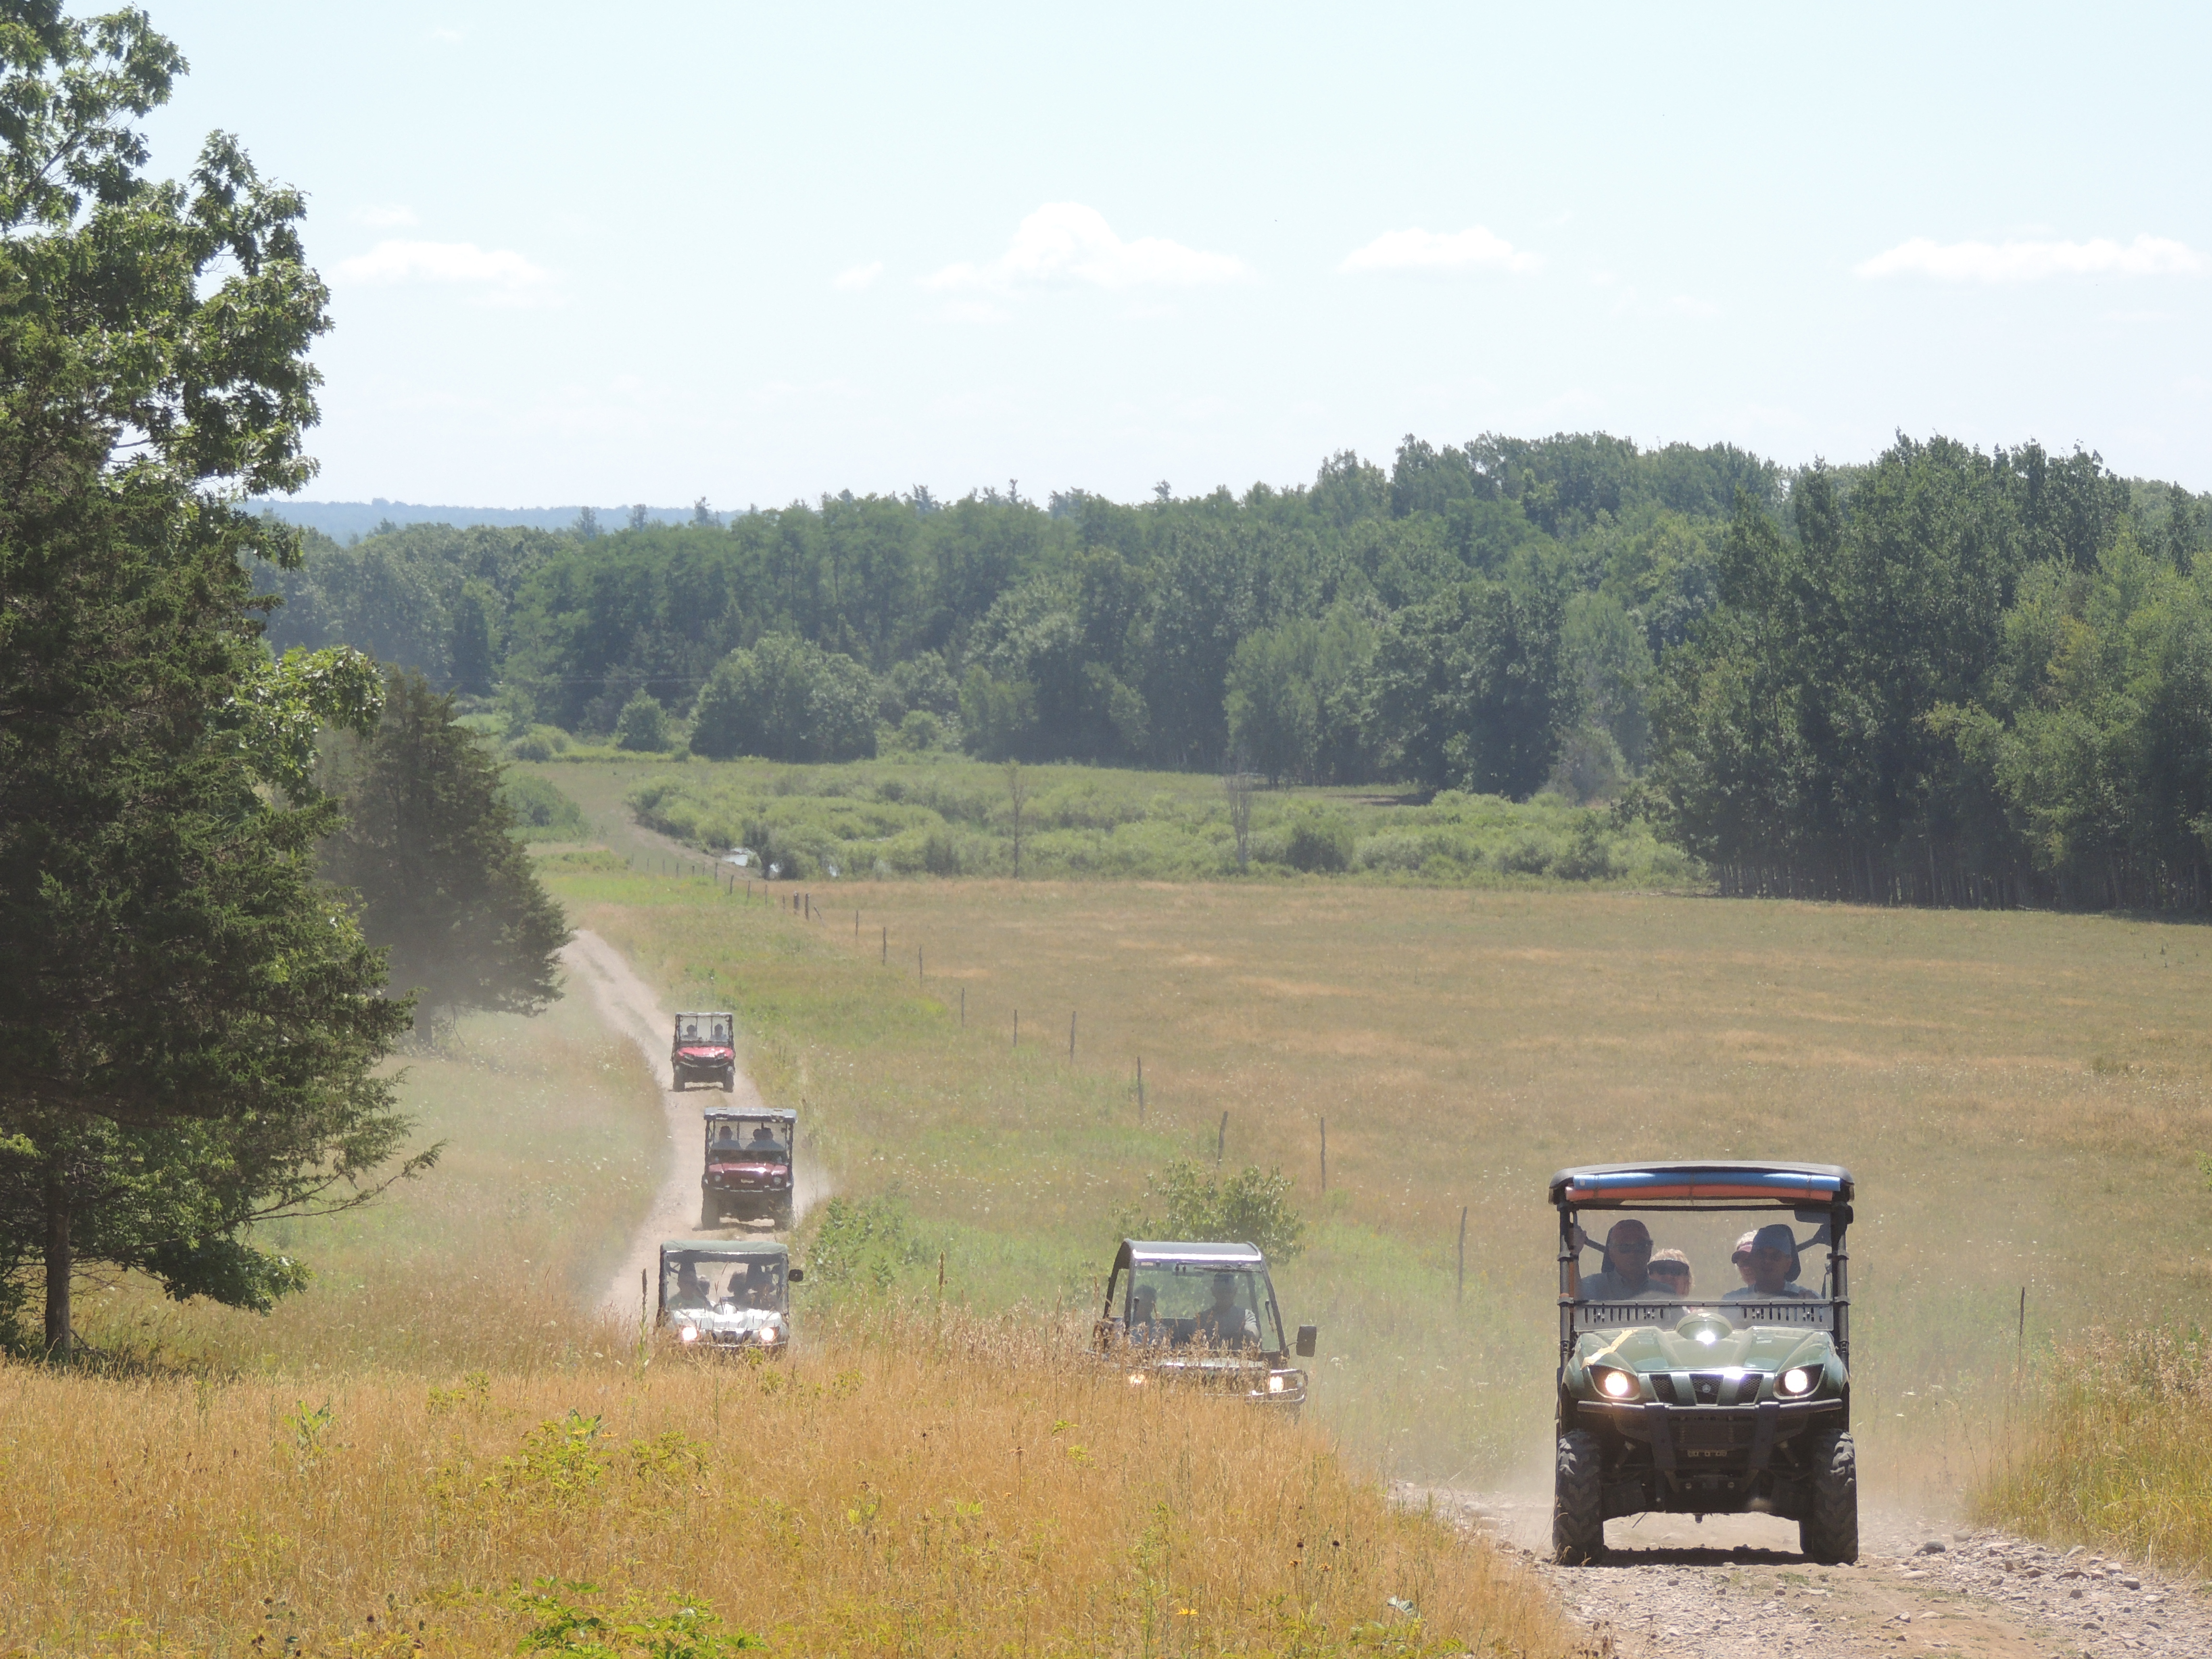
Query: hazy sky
[752, 252]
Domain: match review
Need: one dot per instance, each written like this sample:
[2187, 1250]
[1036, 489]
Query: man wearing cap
[1773, 1268]
[1670, 1274]
[1740, 1257]
[1625, 1275]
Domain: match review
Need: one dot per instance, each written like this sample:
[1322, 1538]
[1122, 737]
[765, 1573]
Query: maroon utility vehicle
[704, 1049]
[748, 1174]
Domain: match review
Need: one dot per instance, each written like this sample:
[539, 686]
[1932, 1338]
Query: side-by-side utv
[1703, 1358]
[704, 1050]
[748, 1173]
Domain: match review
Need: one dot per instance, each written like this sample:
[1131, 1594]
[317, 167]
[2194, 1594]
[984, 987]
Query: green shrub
[539, 743]
[1252, 1206]
[541, 812]
[643, 724]
[1319, 842]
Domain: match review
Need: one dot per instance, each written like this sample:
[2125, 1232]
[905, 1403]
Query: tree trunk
[61, 1263]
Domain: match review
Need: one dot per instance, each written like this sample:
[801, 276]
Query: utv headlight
[1796, 1381]
[1275, 1384]
[691, 1333]
[1615, 1385]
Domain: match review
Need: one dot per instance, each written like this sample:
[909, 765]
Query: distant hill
[344, 521]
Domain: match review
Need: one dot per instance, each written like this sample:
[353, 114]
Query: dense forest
[1947, 676]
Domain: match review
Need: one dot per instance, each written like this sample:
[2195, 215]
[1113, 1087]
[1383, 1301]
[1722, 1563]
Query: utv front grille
[1707, 1387]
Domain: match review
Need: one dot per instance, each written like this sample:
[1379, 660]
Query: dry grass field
[2021, 1095]
[947, 1485]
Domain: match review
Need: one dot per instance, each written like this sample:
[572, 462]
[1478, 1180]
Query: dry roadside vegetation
[2115, 1450]
[932, 1483]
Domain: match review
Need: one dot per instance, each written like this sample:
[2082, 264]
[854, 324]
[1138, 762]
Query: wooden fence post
[1221, 1140]
[1460, 1294]
[1070, 1033]
[1324, 1157]
[1140, 1088]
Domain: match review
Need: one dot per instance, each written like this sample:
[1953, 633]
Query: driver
[1771, 1270]
[1144, 1306]
[689, 1292]
[1223, 1321]
[1626, 1273]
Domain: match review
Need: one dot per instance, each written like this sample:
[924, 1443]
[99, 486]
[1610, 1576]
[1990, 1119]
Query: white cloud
[499, 273]
[1065, 241]
[858, 277]
[1417, 250]
[387, 216]
[2027, 262]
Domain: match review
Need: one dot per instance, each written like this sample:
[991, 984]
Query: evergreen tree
[188, 1029]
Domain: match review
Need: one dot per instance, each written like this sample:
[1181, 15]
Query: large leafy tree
[444, 888]
[189, 1027]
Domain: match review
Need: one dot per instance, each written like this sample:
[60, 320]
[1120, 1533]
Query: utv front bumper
[1707, 1460]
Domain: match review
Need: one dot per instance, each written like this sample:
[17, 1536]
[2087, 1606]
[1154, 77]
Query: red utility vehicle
[748, 1174]
[704, 1048]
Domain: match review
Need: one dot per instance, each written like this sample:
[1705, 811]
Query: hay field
[945, 1486]
[2021, 1095]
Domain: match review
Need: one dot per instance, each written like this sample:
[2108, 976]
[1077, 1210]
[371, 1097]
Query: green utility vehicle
[1703, 1364]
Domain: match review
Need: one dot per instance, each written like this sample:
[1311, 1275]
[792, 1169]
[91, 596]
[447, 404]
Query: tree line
[1468, 617]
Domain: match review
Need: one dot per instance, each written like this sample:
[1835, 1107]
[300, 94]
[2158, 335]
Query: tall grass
[2115, 1451]
[932, 1483]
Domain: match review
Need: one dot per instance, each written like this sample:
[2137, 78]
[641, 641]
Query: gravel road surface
[1736, 1587]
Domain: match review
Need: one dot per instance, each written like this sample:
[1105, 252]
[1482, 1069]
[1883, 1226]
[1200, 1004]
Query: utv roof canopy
[725, 1249]
[749, 1113]
[1152, 1252]
[1714, 1185]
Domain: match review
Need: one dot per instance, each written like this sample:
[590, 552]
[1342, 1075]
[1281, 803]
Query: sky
[758, 254]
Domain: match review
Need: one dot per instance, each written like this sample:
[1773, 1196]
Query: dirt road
[1736, 1587]
[629, 1009]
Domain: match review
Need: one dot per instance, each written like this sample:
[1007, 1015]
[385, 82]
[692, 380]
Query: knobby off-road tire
[1829, 1533]
[729, 1082]
[1578, 1501]
[710, 1211]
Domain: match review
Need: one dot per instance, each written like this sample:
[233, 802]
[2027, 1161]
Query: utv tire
[782, 1219]
[1578, 1501]
[729, 1082]
[710, 1211]
[1829, 1533]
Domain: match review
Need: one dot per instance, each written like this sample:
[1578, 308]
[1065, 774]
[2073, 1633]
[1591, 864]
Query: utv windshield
[748, 1143]
[710, 1030]
[1756, 1267]
[701, 1280]
[1179, 1303]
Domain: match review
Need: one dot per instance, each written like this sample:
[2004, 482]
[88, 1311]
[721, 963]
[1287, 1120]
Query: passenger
[1741, 1255]
[1773, 1266]
[1670, 1274]
[1224, 1322]
[1625, 1275]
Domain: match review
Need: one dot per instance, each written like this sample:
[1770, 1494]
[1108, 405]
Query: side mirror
[1308, 1335]
[797, 1275]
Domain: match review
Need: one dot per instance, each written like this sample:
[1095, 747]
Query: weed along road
[629, 1008]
